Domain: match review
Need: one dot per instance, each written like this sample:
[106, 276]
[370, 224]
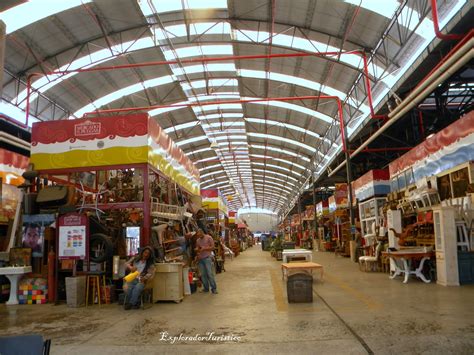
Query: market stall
[126, 175]
[432, 200]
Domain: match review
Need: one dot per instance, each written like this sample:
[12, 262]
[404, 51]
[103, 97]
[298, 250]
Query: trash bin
[299, 288]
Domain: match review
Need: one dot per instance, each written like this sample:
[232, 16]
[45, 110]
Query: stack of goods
[107, 294]
[33, 291]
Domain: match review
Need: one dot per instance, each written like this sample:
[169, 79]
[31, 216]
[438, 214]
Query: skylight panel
[191, 140]
[218, 115]
[303, 44]
[277, 167]
[16, 113]
[269, 193]
[293, 107]
[205, 160]
[35, 10]
[221, 107]
[92, 59]
[232, 144]
[212, 173]
[287, 126]
[212, 67]
[257, 146]
[278, 159]
[194, 51]
[149, 7]
[199, 84]
[264, 182]
[215, 184]
[104, 100]
[210, 167]
[282, 139]
[181, 126]
[226, 95]
[199, 28]
[275, 173]
[205, 181]
[222, 124]
[275, 178]
[226, 131]
[234, 137]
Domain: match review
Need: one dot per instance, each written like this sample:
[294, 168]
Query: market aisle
[352, 312]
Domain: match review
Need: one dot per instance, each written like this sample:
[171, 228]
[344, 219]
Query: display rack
[370, 211]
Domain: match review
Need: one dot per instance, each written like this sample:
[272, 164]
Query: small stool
[95, 279]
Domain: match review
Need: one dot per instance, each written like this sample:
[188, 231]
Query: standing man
[204, 248]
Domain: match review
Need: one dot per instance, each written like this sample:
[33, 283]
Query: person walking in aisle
[204, 249]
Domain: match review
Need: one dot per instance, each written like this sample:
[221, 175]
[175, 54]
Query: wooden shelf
[174, 249]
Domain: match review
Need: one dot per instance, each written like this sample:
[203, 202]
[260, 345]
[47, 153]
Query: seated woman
[144, 264]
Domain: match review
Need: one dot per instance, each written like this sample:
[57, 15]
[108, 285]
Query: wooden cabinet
[369, 212]
[446, 246]
[168, 282]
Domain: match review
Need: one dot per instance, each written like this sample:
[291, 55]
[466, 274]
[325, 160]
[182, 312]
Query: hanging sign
[73, 231]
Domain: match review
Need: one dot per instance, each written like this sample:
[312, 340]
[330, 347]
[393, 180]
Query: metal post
[2, 53]
[300, 227]
[315, 222]
[349, 180]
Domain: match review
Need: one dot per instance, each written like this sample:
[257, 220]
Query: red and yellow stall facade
[91, 151]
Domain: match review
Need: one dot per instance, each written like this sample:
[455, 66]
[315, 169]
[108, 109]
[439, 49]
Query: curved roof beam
[255, 146]
[268, 157]
[271, 200]
[45, 83]
[149, 7]
[280, 150]
[264, 171]
[269, 191]
[242, 140]
[222, 166]
[262, 187]
[261, 181]
[27, 13]
[274, 178]
[168, 79]
[263, 121]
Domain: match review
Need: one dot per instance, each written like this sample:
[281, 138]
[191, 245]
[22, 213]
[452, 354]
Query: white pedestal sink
[14, 273]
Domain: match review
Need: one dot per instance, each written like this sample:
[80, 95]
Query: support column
[349, 180]
[299, 228]
[2, 53]
[314, 236]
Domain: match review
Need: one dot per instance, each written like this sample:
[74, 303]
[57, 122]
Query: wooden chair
[371, 261]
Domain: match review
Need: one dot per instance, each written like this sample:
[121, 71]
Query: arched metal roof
[262, 152]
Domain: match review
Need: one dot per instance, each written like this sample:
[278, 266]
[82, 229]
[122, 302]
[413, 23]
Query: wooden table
[304, 266]
[403, 262]
[307, 254]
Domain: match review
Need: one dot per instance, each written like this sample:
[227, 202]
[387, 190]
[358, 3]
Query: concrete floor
[353, 313]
